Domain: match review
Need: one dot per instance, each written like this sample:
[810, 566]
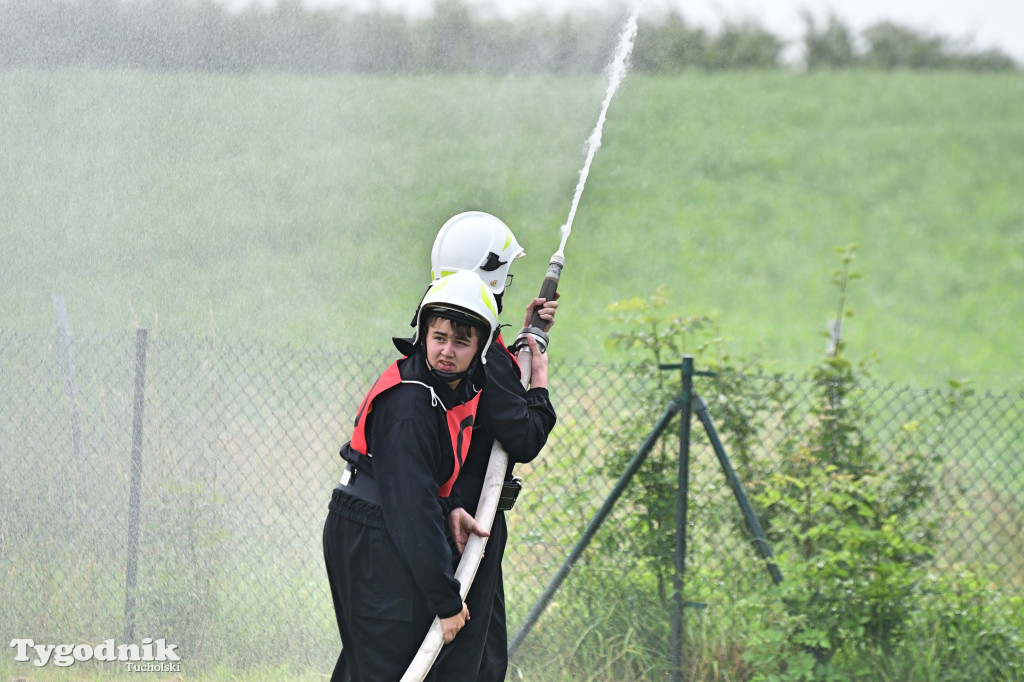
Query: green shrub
[847, 513]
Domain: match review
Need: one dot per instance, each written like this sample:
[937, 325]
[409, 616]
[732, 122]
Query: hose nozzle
[537, 328]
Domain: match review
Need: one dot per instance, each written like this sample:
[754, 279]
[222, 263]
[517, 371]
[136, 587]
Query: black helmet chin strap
[448, 377]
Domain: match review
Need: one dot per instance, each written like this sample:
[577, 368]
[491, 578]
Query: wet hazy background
[279, 174]
[259, 188]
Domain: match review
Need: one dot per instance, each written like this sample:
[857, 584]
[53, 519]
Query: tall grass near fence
[610, 619]
[225, 468]
[854, 489]
[240, 454]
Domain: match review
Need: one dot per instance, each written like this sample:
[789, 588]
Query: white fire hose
[474, 552]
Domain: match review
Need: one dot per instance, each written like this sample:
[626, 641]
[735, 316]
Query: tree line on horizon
[203, 35]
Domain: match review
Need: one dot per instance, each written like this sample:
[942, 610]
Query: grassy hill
[301, 210]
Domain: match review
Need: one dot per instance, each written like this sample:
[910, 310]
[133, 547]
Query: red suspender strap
[460, 428]
[515, 360]
[389, 378]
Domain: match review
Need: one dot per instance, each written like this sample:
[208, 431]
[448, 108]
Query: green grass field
[301, 210]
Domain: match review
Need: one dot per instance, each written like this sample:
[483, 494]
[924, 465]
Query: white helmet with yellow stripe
[461, 297]
[475, 241]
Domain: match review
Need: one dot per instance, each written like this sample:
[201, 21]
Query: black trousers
[381, 616]
[480, 651]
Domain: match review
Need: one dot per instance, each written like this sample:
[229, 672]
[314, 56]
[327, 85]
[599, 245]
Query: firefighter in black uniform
[388, 561]
[518, 418]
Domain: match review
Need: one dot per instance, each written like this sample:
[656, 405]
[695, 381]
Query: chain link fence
[235, 456]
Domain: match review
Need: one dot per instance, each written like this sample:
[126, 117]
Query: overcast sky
[984, 23]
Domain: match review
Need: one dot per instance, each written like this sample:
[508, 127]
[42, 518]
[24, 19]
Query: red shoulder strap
[460, 428]
[459, 419]
[515, 360]
[388, 379]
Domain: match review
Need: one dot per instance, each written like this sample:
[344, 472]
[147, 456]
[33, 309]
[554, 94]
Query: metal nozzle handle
[538, 327]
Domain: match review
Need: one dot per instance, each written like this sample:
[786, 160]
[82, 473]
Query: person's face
[448, 352]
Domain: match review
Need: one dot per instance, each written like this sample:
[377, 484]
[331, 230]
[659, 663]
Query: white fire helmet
[462, 297]
[475, 241]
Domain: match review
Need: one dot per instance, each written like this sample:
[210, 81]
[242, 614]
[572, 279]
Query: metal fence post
[135, 490]
[67, 363]
[682, 502]
[682, 505]
[760, 541]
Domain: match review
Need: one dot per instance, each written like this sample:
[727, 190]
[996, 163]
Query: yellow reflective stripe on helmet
[488, 300]
[444, 273]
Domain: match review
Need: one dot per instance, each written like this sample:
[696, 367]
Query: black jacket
[412, 456]
[518, 418]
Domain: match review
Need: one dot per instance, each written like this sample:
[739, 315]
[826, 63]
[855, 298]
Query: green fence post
[682, 504]
[753, 525]
[135, 489]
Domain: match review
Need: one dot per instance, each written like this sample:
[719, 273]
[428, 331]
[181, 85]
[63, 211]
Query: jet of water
[616, 72]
